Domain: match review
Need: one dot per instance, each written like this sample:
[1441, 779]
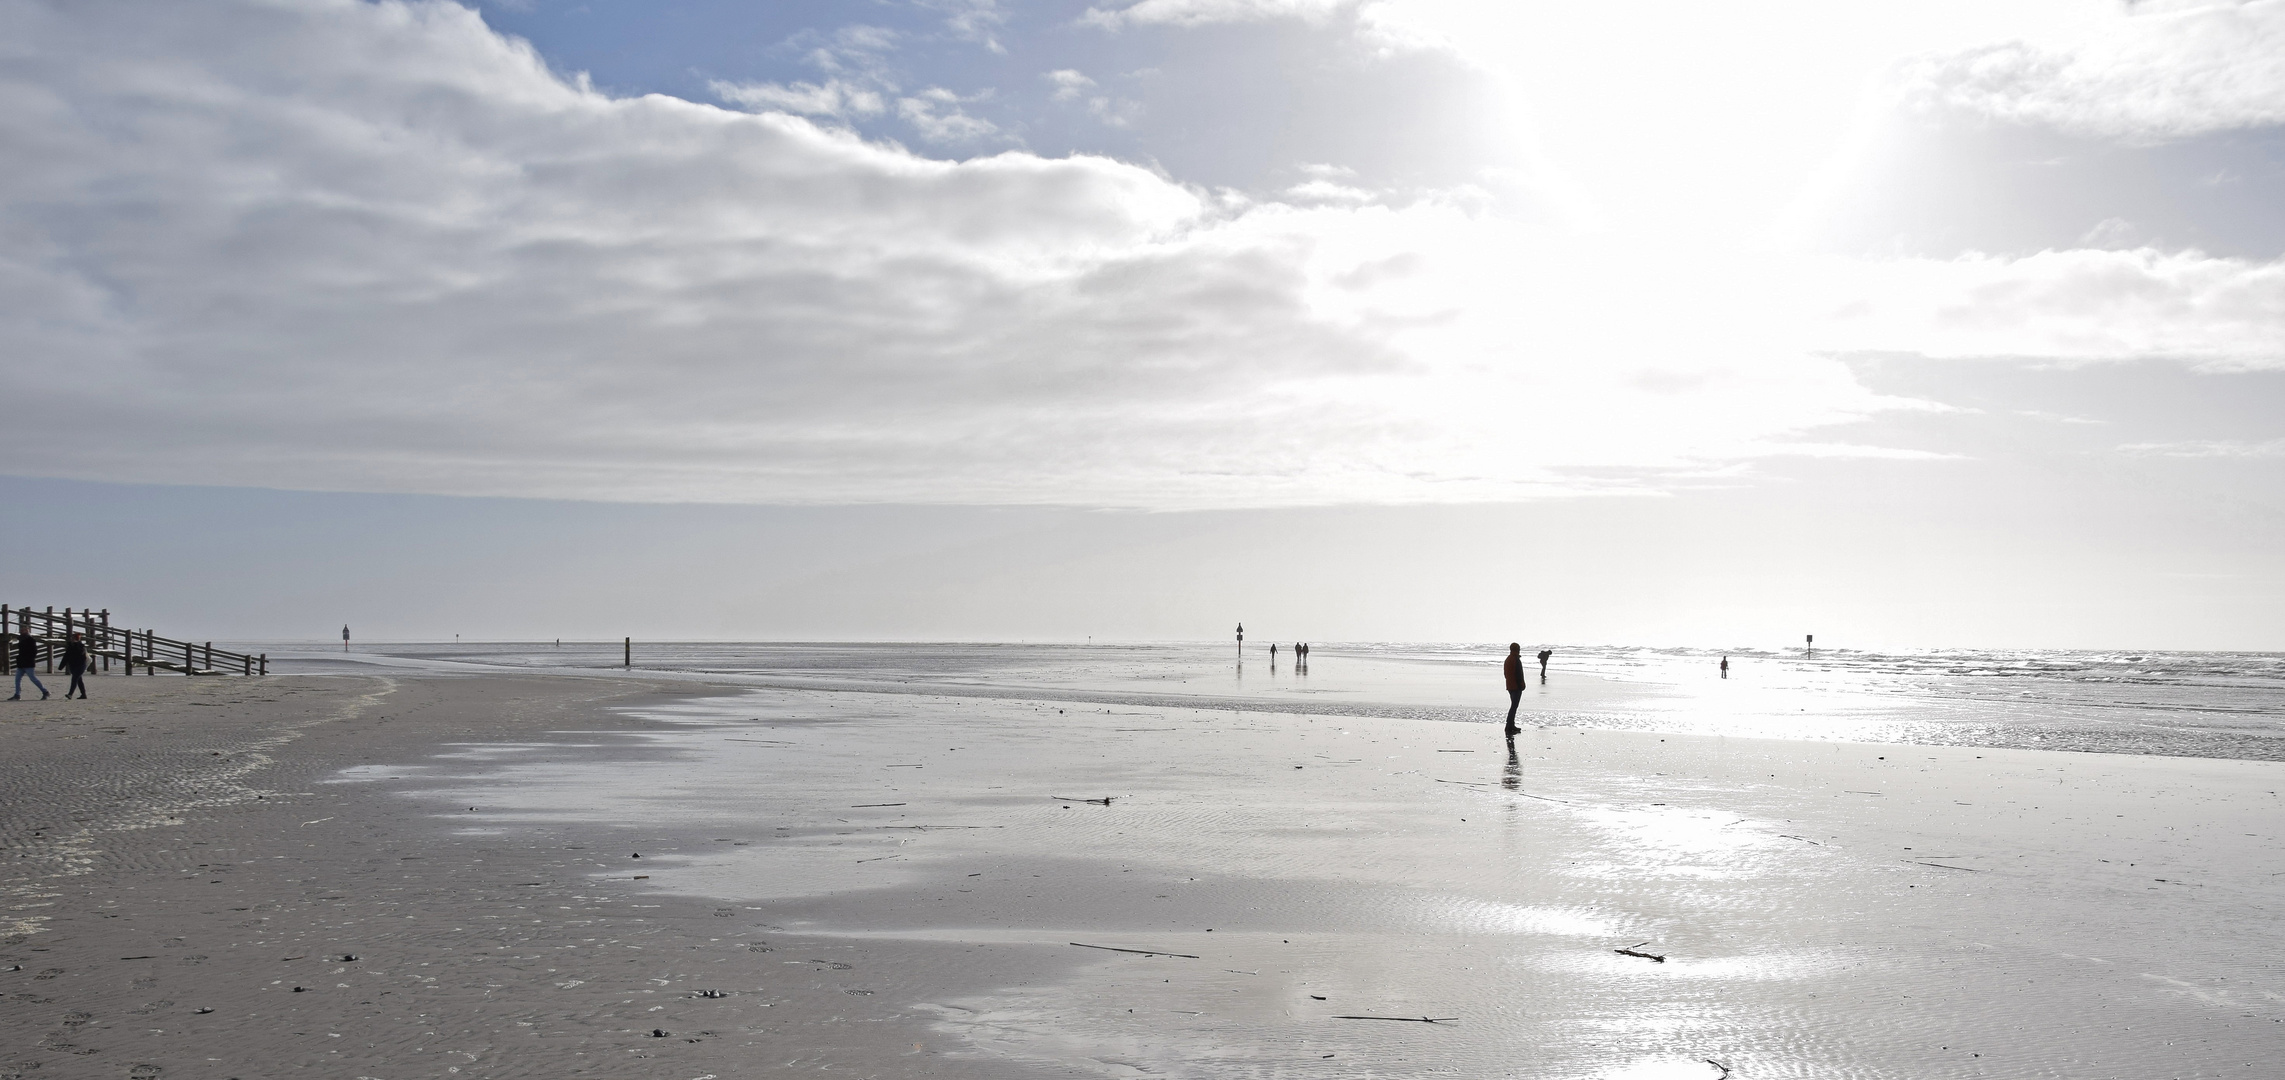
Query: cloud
[833, 97]
[2209, 448]
[333, 244]
[2065, 306]
[2162, 72]
[1203, 12]
[972, 20]
[1070, 85]
[936, 114]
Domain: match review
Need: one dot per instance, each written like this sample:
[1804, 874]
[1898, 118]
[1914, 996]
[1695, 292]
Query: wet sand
[885, 885]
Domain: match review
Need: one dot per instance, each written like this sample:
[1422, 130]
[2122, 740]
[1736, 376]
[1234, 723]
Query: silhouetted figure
[1513, 669]
[1543, 655]
[1725, 667]
[1273, 654]
[75, 664]
[27, 659]
[344, 637]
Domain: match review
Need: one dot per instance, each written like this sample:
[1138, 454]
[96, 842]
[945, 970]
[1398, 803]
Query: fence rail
[132, 648]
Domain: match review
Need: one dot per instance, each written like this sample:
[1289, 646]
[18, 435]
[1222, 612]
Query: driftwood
[1411, 1019]
[1140, 952]
[862, 805]
[1725, 1069]
[1948, 866]
[1633, 952]
[1803, 839]
[1104, 801]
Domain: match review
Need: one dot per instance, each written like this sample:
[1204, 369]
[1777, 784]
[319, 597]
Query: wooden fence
[132, 648]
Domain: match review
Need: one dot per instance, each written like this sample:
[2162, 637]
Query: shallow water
[2227, 705]
[1825, 910]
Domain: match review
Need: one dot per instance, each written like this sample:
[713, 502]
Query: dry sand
[880, 885]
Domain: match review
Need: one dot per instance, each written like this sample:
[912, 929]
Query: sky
[1906, 324]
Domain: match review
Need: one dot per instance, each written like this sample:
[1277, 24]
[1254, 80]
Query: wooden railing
[105, 643]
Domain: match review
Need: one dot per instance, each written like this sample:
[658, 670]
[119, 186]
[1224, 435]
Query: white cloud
[1073, 86]
[1203, 12]
[2160, 71]
[973, 20]
[2208, 448]
[374, 246]
[1069, 84]
[833, 97]
[2068, 306]
[936, 114]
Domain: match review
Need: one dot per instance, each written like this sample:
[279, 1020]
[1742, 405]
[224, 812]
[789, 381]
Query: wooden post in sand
[107, 640]
[49, 624]
[629, 661]
[265, 663]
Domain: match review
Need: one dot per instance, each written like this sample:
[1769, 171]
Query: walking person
[1543, 655]
[27, 659]
[1513, 669]
[1725, 667]
[75, 663]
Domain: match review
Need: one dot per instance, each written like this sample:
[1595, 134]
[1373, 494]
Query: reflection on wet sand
[1323, 866]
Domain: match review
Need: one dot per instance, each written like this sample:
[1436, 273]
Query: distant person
[75, 662]
[1513, 669]
[27, 659]
[344, 637]
[1725, 667]
[1543, 655]
[1273, 652]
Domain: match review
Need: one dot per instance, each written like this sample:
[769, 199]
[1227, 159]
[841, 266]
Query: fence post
[189, 662]
[107, 641]
[48, 655]
[210, 656]
[265, 663]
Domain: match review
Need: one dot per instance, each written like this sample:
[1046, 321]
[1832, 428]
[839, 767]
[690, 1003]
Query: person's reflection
[1512, 777]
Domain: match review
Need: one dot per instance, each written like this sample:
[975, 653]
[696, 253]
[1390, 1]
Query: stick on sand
[1142, 952]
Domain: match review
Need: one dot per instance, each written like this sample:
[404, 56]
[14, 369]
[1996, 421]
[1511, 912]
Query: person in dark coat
[1513, 669]
[75, 662]
[1544, 655]
[27, 658]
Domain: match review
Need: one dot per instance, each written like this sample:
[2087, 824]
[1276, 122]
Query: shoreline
[514, 939]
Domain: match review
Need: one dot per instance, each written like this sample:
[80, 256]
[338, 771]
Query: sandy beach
[398, 874]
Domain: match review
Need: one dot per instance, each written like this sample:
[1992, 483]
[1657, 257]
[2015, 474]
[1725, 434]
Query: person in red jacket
[1513, 669]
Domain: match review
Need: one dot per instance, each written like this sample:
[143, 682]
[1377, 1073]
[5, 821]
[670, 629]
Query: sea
[2186, 704]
